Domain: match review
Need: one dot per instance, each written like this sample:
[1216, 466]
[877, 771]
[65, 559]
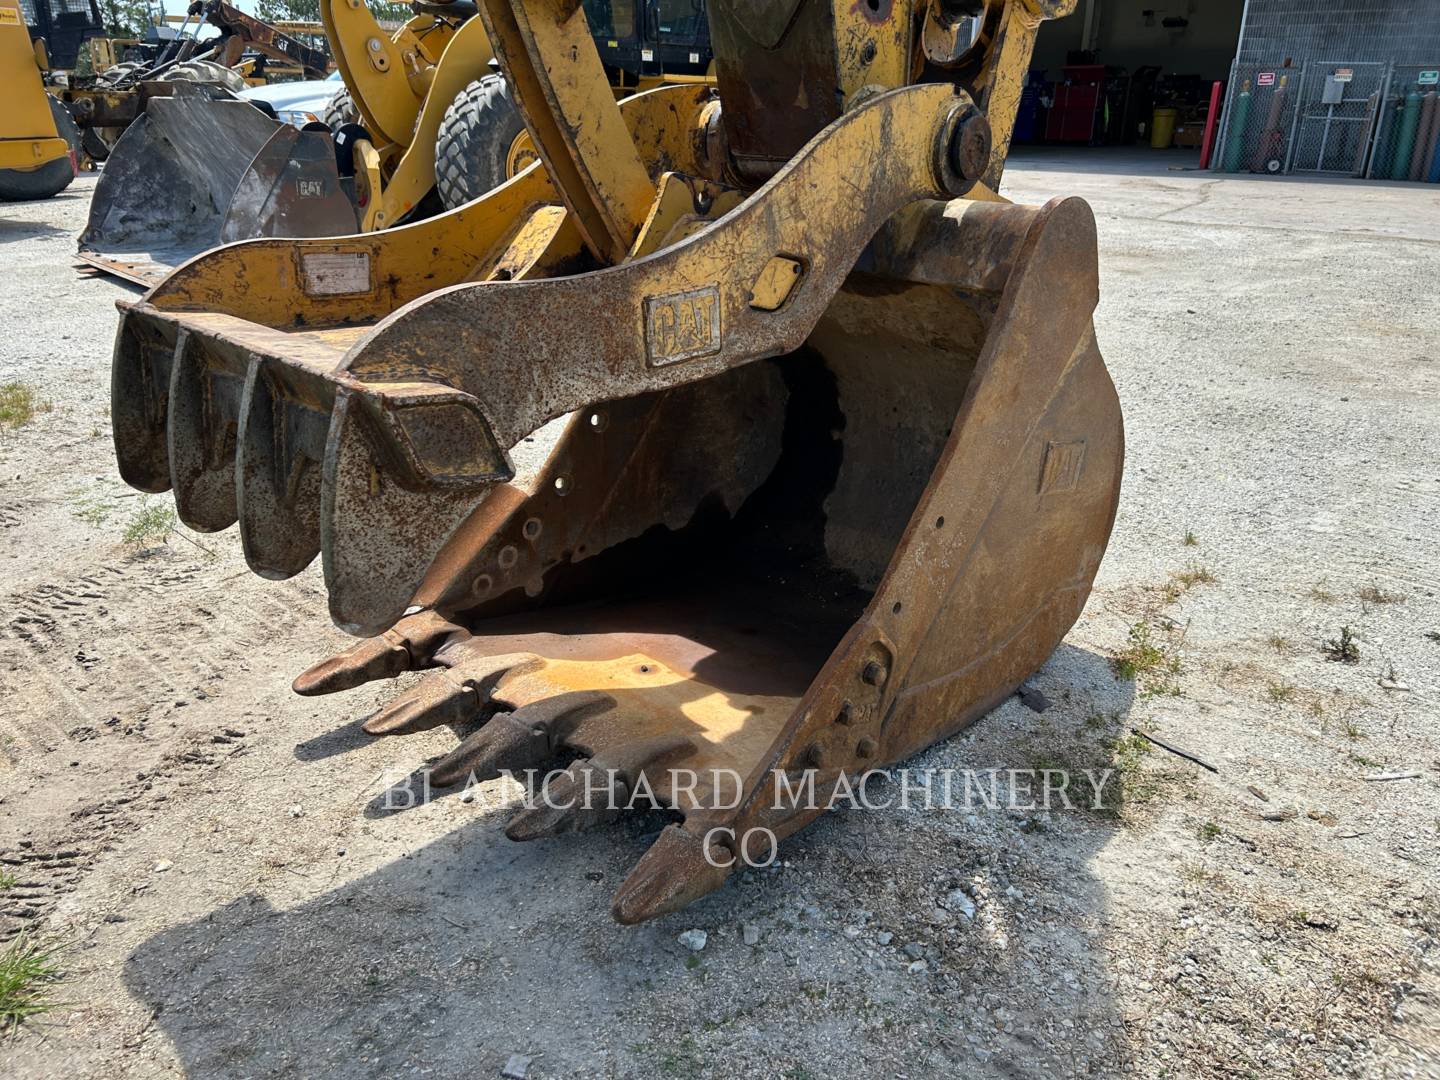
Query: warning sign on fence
[1429, 78]
[1265, 78]
[1344, 74]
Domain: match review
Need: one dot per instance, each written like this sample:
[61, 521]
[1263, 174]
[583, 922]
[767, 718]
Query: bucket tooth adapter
[742, 444]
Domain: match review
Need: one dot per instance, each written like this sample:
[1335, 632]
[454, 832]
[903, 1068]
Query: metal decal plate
[1061, 471]
[682, 326]
[336, 273]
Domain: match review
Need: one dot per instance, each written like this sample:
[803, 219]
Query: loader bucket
[767, 508]
[292, 188]
[163, 193]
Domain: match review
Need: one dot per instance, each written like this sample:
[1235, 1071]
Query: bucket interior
[849, 427]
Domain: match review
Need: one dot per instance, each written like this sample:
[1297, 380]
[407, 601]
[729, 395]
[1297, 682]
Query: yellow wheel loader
[830, 455]
[38, 140]
[419, 105]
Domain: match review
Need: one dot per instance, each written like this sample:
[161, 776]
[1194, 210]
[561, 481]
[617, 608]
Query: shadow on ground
[14, 227]
[448, 959]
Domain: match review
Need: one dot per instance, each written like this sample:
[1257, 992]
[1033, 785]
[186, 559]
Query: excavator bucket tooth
[373, 658]
[450, 696]
[595, 790]
[437, 699]
[680, 867]
[525, 738]
[166, 185]
[413, 644]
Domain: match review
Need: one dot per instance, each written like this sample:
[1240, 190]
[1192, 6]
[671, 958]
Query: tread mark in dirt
[46, 874]
[99, 665]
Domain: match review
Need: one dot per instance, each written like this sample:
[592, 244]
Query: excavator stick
[830, 456]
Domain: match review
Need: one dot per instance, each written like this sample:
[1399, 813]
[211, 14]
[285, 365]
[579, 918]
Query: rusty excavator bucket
[828, 456]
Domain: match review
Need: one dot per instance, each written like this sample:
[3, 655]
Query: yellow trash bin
[1162, 127]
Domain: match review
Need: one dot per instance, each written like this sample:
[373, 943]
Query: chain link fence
[1407, 139]
[1371, 119]
[1259, 113]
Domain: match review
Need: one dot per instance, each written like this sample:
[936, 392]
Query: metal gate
[1339, 104]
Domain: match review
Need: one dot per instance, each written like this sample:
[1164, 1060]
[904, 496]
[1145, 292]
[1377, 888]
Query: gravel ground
[231, 904]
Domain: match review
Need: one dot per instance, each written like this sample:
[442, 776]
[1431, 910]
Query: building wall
[1405, 31]
[1126, 37]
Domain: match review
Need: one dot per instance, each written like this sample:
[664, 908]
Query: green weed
[1280, 693]
[28, 972]
[1153, 665]
[18, 404]
[1344, 649]
[151, 524]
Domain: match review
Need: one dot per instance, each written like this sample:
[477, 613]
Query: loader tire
[94, 143]
[120, 74]
[206, 71]
[54, 176]
[472, 152]
[340, 111]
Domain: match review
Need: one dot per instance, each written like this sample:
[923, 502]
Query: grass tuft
[1195, 574]
[28, 970]
[92, 509]
[1198, 874]
[1374, 594]
[1344, 649]
[19, 403]
[152, 523]
[1279, 693]
[1154, 665]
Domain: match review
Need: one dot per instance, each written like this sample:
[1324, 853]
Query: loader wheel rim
[520, 156]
